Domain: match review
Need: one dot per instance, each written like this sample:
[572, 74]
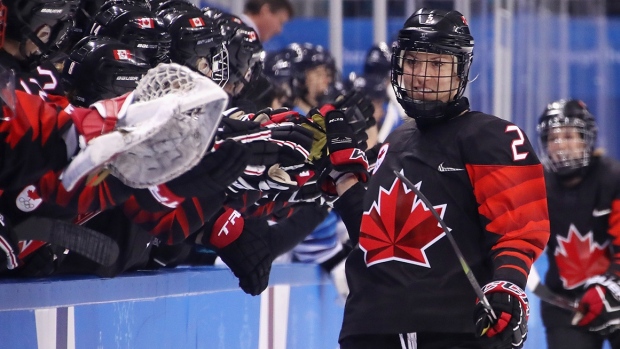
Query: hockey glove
[214, 173]
[8, 246]
[295, 143]
[357, 106]
[346, 152]
[511, 307]
[286, 143]
[243, 248]
[275, 179]
[599, 307]
[270, 116]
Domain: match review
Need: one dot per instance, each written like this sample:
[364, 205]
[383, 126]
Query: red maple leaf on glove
[579, 258]
[399, 227]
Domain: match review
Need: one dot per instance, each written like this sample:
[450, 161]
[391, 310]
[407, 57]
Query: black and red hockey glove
[346, 151]
[270, 116]
[242, 247]
[357, 106]
[599, 307]
[214, 173]
[346, 154]
[287, 144]
[511, 307]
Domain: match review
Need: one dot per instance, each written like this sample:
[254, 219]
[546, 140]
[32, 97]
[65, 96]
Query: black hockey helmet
[135, 24]
[307, 56]
[181, 5]
[278, 69]
[100, 68]
[26, 18]
[194, 37]
[245, 51]
[376, 72]
[431, 32]
[563, 125]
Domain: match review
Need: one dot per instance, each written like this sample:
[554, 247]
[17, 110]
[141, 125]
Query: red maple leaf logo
[399, 227]
[579, 258]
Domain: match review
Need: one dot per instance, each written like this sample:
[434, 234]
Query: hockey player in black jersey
[583, 191]
[407, 287]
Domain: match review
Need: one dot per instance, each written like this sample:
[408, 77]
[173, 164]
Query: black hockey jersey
[585, 233]
[484, 179]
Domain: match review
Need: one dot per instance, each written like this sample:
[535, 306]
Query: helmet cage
[219, 65]
[196, 36]
[421, 40]
[246, 56]
[566, 158]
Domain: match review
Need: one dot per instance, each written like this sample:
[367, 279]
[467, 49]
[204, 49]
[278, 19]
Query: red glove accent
[99, 119]
[591, 304]
[227, 228]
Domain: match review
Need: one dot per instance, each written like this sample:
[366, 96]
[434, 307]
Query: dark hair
[254, 6]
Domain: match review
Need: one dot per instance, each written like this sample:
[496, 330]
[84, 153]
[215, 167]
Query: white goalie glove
[155, 134]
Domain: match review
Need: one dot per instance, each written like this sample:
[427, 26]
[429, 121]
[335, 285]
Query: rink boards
[182, 308]
[199, 307]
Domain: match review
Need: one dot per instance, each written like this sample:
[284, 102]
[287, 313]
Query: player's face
[565, 144]
[44, 35]
[317, 81]
[430, 76]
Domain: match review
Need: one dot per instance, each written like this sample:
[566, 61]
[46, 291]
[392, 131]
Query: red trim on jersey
[513, 199]
[614, 222]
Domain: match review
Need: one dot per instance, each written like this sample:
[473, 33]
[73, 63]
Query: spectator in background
[267, 17]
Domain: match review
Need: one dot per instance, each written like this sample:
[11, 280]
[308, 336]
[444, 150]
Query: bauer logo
[122, 54]
[51, 10]
[28, 200]
[71, 67]
[127, 78]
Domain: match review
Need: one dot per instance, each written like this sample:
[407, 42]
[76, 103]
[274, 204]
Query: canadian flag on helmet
[145, 23]
[122, 54]
[197, 22]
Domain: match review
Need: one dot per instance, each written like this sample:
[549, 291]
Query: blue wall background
[553, 58]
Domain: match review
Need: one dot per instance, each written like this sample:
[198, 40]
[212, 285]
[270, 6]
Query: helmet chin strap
[432, 112]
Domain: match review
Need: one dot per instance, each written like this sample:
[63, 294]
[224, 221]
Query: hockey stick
[545, 294]
[470, 274]
[86, 242]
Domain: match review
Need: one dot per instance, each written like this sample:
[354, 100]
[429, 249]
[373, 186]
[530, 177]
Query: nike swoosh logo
[441, 168]
[597, 213]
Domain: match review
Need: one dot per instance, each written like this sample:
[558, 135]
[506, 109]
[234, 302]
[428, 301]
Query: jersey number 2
[517, 142]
